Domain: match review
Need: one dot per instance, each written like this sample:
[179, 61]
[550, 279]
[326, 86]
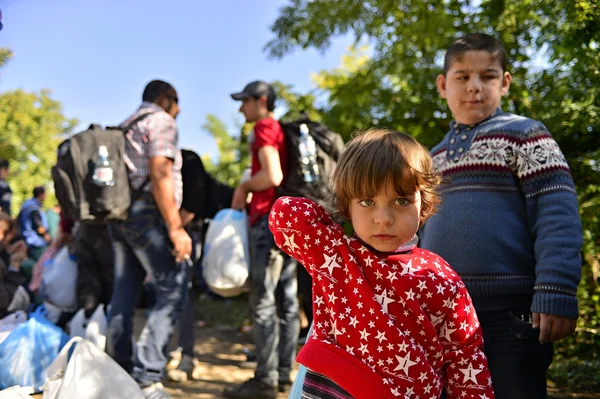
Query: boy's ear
[263, 101]
[440, 82]
[506, 80]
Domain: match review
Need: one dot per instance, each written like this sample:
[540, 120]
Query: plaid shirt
[155, 135]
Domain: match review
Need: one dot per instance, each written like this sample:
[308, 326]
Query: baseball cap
[255, 89]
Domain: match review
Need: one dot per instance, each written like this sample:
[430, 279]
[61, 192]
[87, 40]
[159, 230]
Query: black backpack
[79, 197]
[210, 194]
[329, 147]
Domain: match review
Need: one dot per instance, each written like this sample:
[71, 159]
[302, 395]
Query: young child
[390, 320]
[509, 222]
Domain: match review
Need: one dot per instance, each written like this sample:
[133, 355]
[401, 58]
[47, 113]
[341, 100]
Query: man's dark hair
[475, 42]
[4, 163]
[158, 88]
[38, 190]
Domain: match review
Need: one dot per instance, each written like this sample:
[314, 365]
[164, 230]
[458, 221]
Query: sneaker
[252, 389]
[155, 391]
[187, 369]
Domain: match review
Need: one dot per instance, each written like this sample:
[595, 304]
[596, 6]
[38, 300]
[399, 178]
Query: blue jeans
[142, 245]
[274, 305]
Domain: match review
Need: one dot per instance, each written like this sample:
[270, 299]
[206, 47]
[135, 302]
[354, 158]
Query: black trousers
[95, 258]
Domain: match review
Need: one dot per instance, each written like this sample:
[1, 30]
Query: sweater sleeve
[297, 224]
[465, 364]
[553, 218]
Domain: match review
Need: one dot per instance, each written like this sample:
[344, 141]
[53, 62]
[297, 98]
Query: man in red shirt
[270, 268]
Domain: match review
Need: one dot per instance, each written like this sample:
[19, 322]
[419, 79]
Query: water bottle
[103, 171]
[308, 155]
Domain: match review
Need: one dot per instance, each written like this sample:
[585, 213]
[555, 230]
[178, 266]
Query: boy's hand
[553, 328]
[240, 197]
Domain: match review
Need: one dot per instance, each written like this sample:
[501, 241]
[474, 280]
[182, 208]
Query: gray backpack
[80, 198]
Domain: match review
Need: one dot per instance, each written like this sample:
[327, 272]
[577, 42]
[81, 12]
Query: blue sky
[97, 56]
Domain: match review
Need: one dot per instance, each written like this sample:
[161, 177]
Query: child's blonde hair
[378, 156]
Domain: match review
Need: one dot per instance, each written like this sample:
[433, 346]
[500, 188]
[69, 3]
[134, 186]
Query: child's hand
[553, 328]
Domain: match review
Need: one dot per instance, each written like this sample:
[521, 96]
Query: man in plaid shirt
[151, 241]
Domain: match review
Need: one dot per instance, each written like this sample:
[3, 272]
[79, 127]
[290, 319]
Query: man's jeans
[142, 245]
[274, 303]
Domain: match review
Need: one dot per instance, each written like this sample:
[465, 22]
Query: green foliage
[31, 127]
[554, 57]
[234, 154]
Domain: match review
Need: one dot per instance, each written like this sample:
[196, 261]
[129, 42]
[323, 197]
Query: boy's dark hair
[4, 163]
[158, 88]
[39, 190]
[475, 42]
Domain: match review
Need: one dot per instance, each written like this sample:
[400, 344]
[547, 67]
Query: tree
[31, 127]
[554, 53]
[234, 155]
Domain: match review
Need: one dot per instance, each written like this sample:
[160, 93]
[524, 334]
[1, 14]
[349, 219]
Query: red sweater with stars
[385, 326]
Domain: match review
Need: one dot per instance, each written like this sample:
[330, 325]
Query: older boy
[509, 221]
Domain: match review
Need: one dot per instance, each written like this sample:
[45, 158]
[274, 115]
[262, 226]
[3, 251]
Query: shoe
[188, 369]
[251, 389]
[284, 386]
[155, 391]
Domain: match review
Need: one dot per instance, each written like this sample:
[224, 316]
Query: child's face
[386, 221]
[474, 86]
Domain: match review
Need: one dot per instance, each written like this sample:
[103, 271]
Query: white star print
[334, 331]
[384, 301]
[470, 373]
[289, 242]
[404, 363]
[330, 263]
[445, 331]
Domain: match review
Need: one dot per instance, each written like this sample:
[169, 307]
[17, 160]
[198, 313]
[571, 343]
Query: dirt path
[223, 363]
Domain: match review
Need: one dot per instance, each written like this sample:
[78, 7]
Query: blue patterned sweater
[509, 221]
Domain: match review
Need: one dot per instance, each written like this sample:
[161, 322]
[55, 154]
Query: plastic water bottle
[103, 171]
[308, 155]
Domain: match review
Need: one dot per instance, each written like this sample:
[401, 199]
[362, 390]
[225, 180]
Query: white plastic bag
[88, 374]
[92, 329]
[10, 322]
[226, 257]
[59, 279]
[16, 392]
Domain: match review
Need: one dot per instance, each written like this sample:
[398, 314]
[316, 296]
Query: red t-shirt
[267, 132]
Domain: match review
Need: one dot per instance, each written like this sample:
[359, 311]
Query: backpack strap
[140, 190]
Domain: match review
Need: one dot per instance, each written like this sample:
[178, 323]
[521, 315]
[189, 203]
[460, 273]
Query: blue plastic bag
[28, 351]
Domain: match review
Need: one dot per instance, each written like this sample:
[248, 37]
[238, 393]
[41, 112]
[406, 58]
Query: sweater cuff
[555, 304]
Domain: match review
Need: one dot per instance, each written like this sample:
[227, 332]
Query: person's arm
[186, 216]
[553, 217]
[269, 176]
[11, 277]
[162, 150]
[163, 191]
[303, 229]
[465, 364]
[38, 226]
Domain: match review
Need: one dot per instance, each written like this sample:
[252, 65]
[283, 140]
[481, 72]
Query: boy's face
[474, 86]
[252, 109]
[387, 220]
